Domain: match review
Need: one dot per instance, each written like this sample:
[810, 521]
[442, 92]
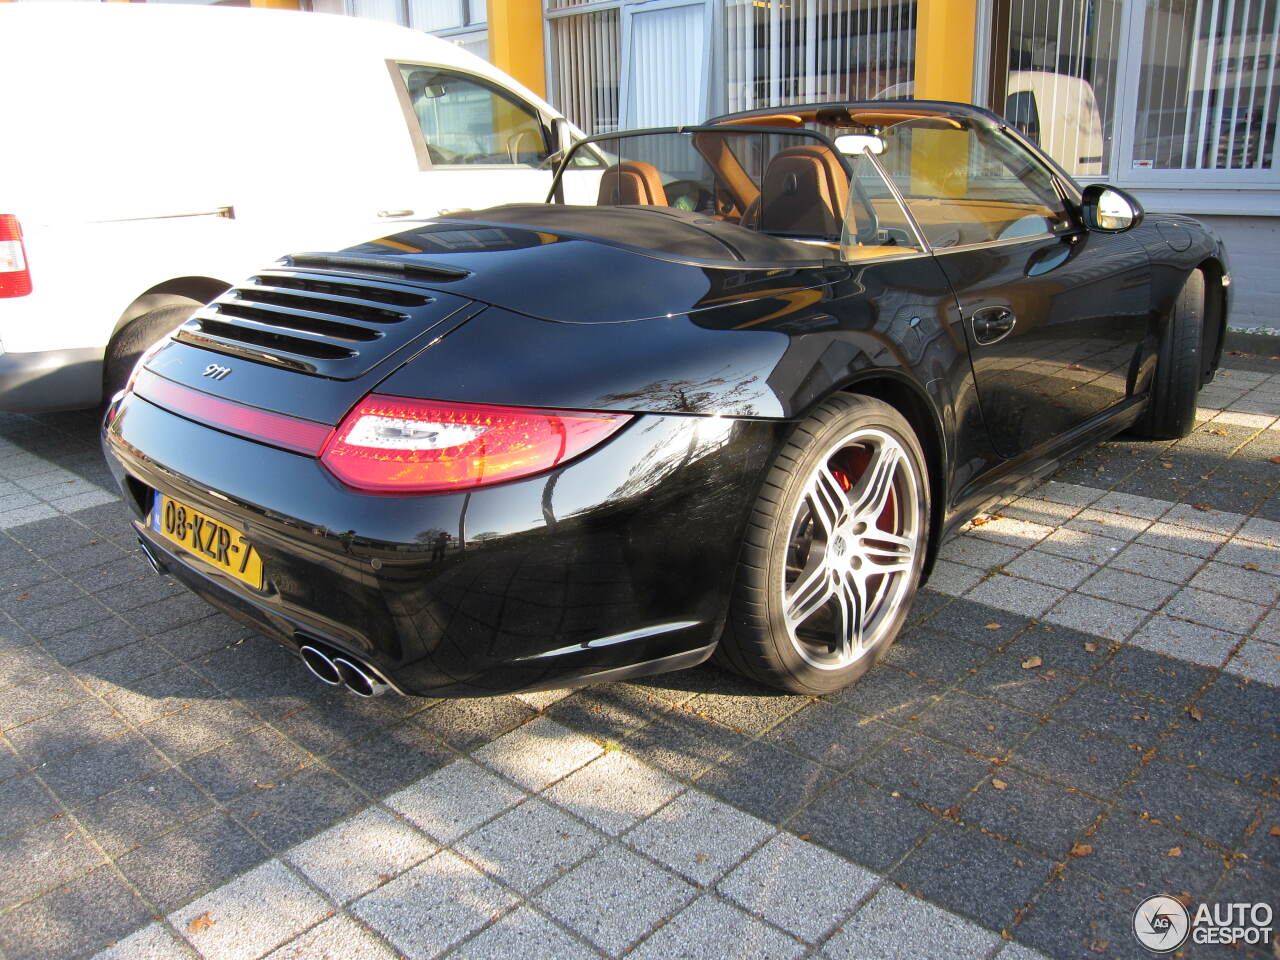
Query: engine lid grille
[322, 323]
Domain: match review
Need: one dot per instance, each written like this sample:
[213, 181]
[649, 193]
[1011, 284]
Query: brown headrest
[631, 183]
[805, 191]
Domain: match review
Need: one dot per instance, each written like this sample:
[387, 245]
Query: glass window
[1054, 76]
[966, 185]
[1209, 88]
[465, 122]
[875, 224]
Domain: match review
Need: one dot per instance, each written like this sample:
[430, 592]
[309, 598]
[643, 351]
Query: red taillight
[401, 445]
[15, 276]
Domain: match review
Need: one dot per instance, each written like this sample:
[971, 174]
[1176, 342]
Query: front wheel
[1175, 385]
[129, 343]
[833, 552]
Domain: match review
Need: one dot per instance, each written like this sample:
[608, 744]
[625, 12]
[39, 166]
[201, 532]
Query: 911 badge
[216, 371]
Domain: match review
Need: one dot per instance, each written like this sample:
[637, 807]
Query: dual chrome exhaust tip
[342, 670]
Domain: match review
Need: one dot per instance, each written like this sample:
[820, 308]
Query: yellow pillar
[276, 4]
[515, 41]
[946, 31]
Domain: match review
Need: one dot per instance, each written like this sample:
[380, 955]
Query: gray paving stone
[258, 760]
[204, 725]
[1257, 661]
[1233, 581]
[1068, 493]
[297, 807]
[698, 836]
[1020, 596]
[1102, 618]
[453, 800]
[1262, 531]
[76, 778]
[1050, 569]
[1182, 640]
[41, 857]
[615, 897]
[953, 579]
[23, 803]
[338, 938]
[613, 792]
[797, 886]
[1089, 547]
[765, 781]
[1127, 588]
[896, 926]
[538, 753]
[74, 728]
[132, 815]
[252, 915]
[973, 552]
[711, 928]
[1153, 562]
[1215, 521]
[526, 934]
[76, 918]
[434, 906]
[1212, 610]
[355, 856]
[1132, 505]
[152, 942]
[1117, 526]
[191, 860]
[529, 845]
[1179, 539]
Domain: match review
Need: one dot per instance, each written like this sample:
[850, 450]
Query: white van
[154, 154]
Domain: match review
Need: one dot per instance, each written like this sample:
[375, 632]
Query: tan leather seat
[632, 183]
[805, 191]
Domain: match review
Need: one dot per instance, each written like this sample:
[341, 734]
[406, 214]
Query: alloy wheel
[852, 549]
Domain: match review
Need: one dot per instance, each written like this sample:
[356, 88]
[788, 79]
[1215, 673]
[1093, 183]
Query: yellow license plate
[210, 539]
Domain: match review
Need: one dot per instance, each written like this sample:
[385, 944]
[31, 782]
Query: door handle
[395, 213]
[992, 324]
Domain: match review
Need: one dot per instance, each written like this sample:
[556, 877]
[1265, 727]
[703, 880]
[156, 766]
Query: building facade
[1173, 100]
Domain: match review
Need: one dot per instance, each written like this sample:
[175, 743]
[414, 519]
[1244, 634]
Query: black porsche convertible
[724, 393]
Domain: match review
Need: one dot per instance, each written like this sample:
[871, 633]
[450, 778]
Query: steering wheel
[868, 233]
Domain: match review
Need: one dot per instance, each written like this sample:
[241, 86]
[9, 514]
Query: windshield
[785, 183]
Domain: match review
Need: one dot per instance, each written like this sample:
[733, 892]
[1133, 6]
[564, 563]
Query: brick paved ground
[170, 784]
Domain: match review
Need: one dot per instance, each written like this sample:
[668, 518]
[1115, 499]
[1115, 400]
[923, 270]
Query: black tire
[761, 641]
[133, 338]
[1171, 412]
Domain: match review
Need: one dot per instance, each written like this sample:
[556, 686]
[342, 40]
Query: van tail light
[15, 276]
[400, 445]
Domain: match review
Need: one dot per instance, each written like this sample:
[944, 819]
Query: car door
[477, 144]
[1055, 317]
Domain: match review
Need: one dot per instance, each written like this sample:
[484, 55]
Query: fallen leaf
[1031, 663]
[1195, 714]
[1175, 851]
[998, 783]
[1275, 831]
[1252, 566]
[702, 858]
[1275, 459]
[1091, 647]
[265, 786]
[806, 837]
[200, 923]
[1167, 466]
[1203, 507]
[979, 521]
[1218, 433]
[1092, 759]
[23, 596]
[1074, 366]
[1081, 849]
[993, 626]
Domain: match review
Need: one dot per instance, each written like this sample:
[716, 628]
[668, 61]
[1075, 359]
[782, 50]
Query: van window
[467, 122]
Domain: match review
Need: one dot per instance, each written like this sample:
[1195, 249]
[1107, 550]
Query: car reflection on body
[724, 393]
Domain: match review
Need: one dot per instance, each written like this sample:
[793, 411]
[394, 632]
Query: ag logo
[1161, 924]
[215, 371]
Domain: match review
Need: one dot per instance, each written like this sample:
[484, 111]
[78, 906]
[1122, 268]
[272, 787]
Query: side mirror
[1109, 209]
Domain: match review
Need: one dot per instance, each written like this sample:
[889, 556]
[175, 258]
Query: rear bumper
[616, 565]
[50, 380]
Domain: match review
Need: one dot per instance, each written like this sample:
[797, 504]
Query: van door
[477, 144]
